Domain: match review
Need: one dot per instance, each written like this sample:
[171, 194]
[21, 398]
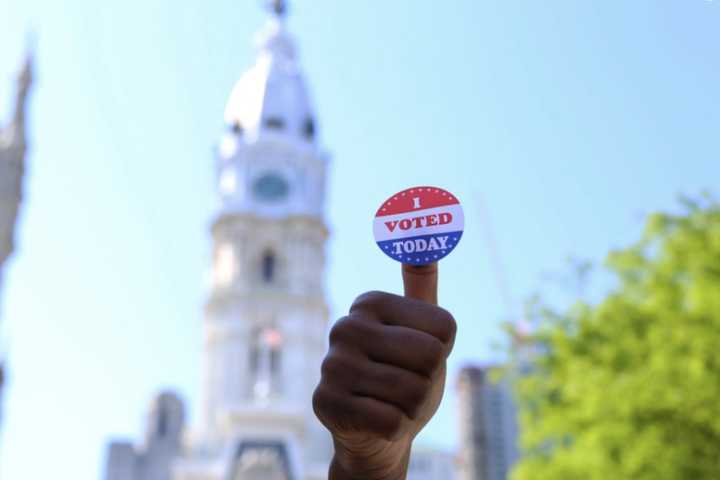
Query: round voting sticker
[419, 225]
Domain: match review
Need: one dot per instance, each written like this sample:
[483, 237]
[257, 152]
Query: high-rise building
[13, 148]
[266, 315]
[488, 425]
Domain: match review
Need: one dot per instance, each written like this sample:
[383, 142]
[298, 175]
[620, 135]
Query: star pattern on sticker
[423, 260]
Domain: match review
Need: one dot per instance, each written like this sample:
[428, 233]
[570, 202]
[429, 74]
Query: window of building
[309, 128]
[269, 265]
[275, 123]
[236, 127]
[162, 427]
[265, 358]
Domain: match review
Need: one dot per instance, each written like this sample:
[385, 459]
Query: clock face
[271, 187]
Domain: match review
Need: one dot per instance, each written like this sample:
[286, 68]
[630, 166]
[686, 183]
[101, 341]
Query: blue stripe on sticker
[422, 249]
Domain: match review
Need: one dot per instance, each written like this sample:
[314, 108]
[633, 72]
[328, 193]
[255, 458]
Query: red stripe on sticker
[416, 198]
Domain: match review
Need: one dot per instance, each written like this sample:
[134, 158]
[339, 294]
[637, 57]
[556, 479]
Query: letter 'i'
[416, 202]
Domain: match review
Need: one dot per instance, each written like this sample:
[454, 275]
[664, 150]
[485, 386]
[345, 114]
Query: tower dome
[271, 97]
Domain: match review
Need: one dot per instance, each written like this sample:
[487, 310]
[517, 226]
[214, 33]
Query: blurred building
[488, 425]
[432, 464]
[13, 147]
[162, 444]
[266, 315]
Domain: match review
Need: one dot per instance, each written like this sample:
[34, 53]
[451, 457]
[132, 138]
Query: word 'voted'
[417, 222]
[419, 225]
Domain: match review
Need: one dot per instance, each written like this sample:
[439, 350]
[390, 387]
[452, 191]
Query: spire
[271, 96]
[25, 80]
[14, 134]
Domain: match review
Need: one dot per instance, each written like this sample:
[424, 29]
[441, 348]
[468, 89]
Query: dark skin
[383, 377]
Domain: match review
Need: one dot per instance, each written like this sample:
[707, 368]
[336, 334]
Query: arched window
[261, 460]
[309, 128]
[236, 127]
[269, 265]
[265, 361]
[275, 123]
[162, 426]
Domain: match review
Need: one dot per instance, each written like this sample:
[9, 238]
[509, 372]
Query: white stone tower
[266, 316]
[13, 147]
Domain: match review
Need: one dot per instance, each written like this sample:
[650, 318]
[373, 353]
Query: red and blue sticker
[419, 225]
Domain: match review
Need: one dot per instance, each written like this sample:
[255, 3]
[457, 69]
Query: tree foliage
[629, 387]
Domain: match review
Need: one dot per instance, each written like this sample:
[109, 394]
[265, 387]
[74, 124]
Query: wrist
[347, 465]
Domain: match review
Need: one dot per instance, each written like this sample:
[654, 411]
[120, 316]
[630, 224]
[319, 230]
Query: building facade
[488, 425]
[431, 464]
[162, 444]
[266, 315]
[13, 148]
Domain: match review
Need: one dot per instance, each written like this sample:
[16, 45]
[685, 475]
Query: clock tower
[266, 315]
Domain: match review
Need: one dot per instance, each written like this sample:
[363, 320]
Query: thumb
[420, 282]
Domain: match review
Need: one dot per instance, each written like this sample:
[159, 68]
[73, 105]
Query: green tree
[629, 387]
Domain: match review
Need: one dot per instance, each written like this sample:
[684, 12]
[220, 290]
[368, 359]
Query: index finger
[413, 313]
[421, 282]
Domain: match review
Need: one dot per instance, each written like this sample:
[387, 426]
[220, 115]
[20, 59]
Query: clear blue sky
[569, 120]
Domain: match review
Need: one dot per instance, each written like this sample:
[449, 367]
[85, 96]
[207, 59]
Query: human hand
[383, 377]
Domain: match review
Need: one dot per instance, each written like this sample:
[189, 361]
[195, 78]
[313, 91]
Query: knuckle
[434, 355]
[321, 402]
[368, 300]
[354, 329]
[416, 394]
[335, 368]
[341, 330]
[328, 407]
[387, 378]
[327, 368]
[317, 398]
[448, 323]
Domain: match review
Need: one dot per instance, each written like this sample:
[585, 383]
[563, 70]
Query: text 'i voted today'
[419, 225]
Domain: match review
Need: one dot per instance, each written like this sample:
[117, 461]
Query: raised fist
[383, 377]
